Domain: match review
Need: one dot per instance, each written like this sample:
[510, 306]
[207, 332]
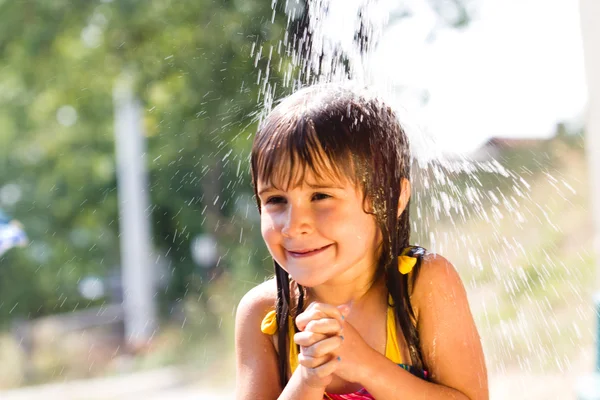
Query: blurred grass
[199, 340]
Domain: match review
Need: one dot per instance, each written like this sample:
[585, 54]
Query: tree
[195, 78]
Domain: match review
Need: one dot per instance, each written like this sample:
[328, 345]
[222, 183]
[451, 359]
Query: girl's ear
[404, 195]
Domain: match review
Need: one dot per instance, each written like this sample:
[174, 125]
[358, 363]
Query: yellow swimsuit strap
[392, 349]
[269, 327]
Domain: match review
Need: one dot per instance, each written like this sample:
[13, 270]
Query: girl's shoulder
[436, 275]
[436, 266]
[257, 303]
[256, 355]
[435, 269]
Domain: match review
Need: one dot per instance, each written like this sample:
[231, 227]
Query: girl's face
[318, 232]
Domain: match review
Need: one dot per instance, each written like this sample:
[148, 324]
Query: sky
[515, 71]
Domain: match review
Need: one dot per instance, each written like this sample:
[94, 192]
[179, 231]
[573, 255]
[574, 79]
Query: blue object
[11, 234]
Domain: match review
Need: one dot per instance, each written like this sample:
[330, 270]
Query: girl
[354, 311]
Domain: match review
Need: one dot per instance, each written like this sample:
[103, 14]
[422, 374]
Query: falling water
[513, 223]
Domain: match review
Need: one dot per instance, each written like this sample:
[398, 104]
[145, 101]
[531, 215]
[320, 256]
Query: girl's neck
[354, 292]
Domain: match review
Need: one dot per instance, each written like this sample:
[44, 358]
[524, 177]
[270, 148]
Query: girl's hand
[354, 356]
[320, 338]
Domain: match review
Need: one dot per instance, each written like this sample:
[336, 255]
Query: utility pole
[132, 183]
[589, 11]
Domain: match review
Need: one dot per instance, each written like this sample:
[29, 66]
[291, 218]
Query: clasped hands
[329, 345]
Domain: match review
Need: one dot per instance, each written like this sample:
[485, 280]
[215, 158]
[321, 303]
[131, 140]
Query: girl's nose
[297, 222]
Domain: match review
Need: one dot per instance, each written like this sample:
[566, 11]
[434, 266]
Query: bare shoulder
[258, 301]
[436, 276]
[437, 286]
[252, 309]
[256, 358]
[447, 330]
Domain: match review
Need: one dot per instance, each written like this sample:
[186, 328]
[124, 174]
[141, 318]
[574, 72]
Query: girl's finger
[323, 348]
[324, 369]
[327, 326]
[308, 338]
[318, 311]
[312, 362]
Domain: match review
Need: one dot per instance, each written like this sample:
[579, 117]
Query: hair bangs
[284, 153]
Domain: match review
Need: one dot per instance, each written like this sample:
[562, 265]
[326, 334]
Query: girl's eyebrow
[310, 185]
[323, 186]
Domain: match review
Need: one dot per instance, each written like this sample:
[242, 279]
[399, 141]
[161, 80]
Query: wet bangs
[284, 152]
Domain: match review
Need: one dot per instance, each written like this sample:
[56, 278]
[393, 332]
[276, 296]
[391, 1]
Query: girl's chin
[309, 281]
[311, 277]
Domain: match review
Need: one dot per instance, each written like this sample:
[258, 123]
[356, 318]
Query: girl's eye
[275, 200]
[321, 196]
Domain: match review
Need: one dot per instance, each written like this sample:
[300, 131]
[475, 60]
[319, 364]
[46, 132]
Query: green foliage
[196, 79]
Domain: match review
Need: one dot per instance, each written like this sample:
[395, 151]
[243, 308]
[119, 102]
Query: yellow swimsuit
[406, 262]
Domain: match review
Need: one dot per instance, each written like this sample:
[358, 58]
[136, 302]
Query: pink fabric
[361, 395]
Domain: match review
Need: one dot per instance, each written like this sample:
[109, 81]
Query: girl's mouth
[307, 253]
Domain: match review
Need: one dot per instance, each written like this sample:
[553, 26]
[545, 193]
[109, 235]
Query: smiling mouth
[306, 253]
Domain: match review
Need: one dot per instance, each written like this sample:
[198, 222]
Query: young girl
[354, 311]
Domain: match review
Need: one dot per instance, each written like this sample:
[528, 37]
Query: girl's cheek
[267, 226]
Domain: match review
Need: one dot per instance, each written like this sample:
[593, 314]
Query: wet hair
[343, 133]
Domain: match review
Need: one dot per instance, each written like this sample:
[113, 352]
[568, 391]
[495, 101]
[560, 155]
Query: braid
[282, 311]
[398, 285]
[282, 314]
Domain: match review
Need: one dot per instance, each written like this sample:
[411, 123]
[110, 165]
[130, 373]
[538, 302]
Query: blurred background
[128, 227]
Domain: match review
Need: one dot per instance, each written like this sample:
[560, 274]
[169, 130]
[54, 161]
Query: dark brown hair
[336, 130]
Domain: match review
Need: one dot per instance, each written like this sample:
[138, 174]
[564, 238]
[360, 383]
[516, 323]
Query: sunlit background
[128, 229]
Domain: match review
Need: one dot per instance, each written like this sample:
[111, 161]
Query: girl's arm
[256, 358]
[449, 340]
[297, 389]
